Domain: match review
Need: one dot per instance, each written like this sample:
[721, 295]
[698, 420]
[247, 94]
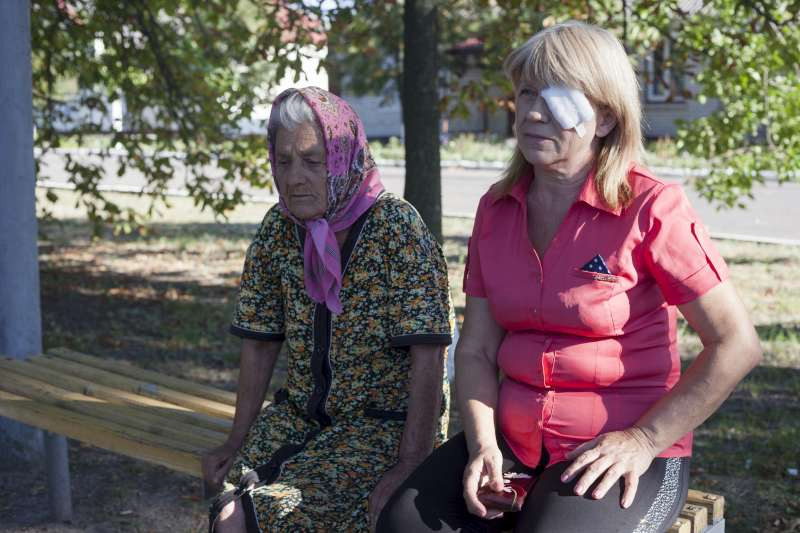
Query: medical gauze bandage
[569, 107]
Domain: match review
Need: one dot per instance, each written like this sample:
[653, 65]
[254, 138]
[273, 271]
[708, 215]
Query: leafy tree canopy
[191, 73]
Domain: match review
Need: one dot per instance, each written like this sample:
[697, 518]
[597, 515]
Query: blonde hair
[589, 58]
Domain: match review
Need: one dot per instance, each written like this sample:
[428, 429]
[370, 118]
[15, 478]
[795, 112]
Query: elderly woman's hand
[620, 454]
[388, 484]
[485, 467]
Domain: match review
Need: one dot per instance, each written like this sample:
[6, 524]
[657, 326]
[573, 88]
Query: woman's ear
[605, 122]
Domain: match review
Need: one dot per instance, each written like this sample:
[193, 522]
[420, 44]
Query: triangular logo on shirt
[597, 265]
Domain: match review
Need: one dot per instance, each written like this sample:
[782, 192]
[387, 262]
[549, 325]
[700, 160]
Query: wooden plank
[697, 515]
[681, 525]
[129, 416]
[106, 435]
[134, 385]
[119, 367]
[714, 503]
[112, 395]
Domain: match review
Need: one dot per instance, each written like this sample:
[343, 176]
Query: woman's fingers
[485, 469]
[472, 476]
[610, 477]
[582, 460]
[494, 467]
[592, 472]
[629, 492]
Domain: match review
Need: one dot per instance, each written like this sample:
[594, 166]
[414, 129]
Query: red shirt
[586, 353]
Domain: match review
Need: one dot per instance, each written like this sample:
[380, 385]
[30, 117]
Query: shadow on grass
[745, 450]
[122, 315]
[75, 228]
[747, 260]
[779, 332]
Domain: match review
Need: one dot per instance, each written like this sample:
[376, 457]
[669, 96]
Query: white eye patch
[569, 107]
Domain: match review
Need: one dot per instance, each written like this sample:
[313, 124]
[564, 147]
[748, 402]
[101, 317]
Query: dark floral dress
[335, 428]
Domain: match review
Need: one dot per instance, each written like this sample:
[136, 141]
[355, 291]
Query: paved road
[772, 215]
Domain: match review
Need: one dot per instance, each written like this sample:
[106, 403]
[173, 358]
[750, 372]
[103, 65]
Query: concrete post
[20, 316]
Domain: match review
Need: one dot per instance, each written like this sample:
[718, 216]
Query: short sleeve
[259, 311]
[419, 298]
[473, 277]
[678, 250]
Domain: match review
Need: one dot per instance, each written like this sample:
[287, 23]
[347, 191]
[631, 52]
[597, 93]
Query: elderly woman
[352, 285]
[577, 262]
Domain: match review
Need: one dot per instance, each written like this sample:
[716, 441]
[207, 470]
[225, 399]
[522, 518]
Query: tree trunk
[20, 318]
[420, 98]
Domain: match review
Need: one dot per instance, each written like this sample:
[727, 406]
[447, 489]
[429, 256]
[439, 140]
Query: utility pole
[20, 315]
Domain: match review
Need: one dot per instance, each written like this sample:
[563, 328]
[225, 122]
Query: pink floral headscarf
[353, 186]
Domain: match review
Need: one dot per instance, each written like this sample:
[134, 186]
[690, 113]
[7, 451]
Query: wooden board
[149, 376]
[681, 525]
[103, 434]
[697, 515]
[112, 395]
[130, 416]
[137, 386]
[714, 503]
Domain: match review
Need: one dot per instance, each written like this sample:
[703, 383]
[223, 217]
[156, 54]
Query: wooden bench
[165, 420]
[117, 407]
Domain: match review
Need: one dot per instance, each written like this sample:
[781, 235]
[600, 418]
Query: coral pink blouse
[587, 352]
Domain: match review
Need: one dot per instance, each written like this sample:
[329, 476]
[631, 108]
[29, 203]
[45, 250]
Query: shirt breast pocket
[584, 303]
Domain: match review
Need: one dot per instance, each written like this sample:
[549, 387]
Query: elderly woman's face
[302, 175]
[542, 140]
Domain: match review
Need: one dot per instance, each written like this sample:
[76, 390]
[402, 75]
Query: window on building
[661, 84]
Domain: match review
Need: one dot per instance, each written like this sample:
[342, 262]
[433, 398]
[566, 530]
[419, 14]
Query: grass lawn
[164, 302]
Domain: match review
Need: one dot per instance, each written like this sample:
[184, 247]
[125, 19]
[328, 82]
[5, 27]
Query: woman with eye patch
[578, 262]
[348, 282]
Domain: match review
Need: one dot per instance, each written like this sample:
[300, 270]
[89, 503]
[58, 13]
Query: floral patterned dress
[335, 428]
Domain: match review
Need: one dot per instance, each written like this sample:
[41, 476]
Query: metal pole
[20, 316]
[58, 482]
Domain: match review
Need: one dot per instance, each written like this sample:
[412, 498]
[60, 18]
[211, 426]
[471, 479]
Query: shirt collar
[587, 195]
[519, 190]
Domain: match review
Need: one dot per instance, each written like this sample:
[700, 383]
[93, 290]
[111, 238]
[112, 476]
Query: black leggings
[431, 499]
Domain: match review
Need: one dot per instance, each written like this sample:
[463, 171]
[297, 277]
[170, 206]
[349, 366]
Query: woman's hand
[388, 484]
[485, 467]
[620, 454]
[217, 462]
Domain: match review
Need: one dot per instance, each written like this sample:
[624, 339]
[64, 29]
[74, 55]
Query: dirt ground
[110, 493]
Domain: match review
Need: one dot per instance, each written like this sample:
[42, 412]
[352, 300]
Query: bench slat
[140, 387]
[104, 435]
[697, 515]
[122, 414]
[714, 503]
[112, 395]
[118, 367]
[681, 525]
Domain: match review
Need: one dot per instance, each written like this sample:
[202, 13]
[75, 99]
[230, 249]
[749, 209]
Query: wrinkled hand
[217, 462]
[389, 483]
[485, 467]
[620, 454]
